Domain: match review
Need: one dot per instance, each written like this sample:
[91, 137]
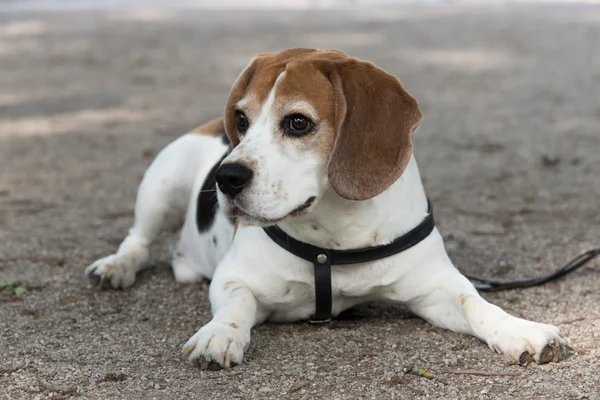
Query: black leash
[322, 260]
[496, 285]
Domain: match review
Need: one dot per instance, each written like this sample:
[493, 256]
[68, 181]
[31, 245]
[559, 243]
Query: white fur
[257, 280]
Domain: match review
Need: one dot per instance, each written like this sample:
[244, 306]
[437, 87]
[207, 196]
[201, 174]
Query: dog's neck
[337, 223]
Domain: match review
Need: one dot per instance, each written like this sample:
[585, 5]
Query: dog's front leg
[225, 339]
[441, 295]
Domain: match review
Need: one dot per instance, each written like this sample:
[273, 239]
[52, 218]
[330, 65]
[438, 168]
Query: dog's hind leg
[161, 204]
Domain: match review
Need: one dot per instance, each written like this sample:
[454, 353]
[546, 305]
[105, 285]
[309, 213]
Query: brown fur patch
[233, 325]
[216, 127]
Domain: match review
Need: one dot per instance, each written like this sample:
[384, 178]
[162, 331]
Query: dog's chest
[284, 283]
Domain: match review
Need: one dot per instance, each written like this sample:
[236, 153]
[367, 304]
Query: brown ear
[375, 120]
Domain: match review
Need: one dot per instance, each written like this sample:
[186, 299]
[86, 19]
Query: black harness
[322, 259]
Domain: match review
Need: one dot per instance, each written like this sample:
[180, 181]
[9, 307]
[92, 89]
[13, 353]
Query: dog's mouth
[304, 207]
[239, 212]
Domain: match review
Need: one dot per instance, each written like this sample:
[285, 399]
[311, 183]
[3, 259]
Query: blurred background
[509, 150]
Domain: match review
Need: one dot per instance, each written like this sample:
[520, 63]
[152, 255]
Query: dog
[319, 144]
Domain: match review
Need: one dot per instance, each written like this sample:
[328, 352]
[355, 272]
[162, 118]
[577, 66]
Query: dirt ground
[509, 150]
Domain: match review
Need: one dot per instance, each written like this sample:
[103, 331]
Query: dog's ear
[236, 94]
[375, 120]
[264, 68]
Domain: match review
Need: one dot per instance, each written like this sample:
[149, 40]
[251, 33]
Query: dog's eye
[297, 125]
[241, 121]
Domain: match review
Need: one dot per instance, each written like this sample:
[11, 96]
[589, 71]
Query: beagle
[319, 144]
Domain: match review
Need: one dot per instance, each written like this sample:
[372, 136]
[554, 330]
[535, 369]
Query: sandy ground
[509, 150]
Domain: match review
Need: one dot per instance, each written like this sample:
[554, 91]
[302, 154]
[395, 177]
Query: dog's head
[303, 121]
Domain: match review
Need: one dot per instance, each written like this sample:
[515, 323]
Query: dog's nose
[232, 178]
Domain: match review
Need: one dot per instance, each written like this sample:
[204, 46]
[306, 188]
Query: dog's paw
[111, 271]
[524, 342]
[218, 343]
[118, 270]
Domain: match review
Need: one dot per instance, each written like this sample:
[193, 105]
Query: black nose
[232, 178]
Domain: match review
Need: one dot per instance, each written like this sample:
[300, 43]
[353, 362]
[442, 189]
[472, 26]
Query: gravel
[509, 151]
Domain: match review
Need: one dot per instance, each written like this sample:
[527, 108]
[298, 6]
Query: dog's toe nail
[214, 366]
[104, 283]
[525, 358]
[94, 279]
[203, 363]
[547, 354]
